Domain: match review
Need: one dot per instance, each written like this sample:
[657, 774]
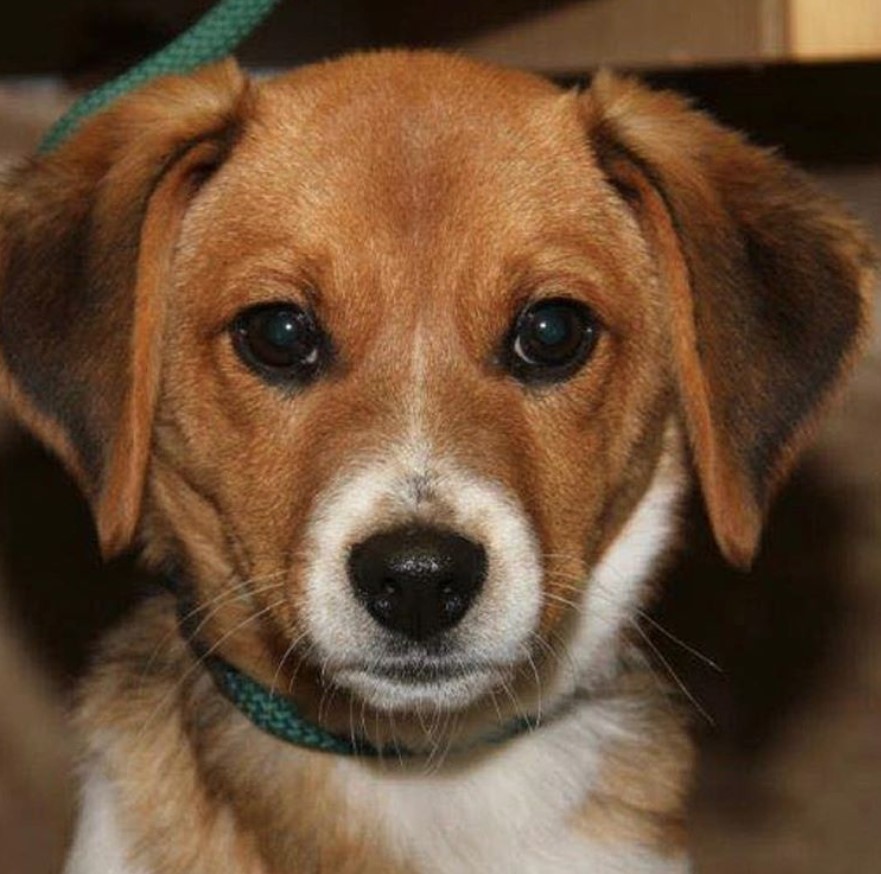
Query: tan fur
[416, 203]
[628, 807]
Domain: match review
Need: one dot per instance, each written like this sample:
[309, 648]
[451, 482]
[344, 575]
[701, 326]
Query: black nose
[417, 581]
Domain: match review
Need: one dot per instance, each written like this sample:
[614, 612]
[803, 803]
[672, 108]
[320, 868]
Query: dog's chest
[517, 809]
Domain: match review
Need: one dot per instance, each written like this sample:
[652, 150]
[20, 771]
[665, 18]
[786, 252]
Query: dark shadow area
[59, 589]
[811, 113]
[771, 631]
[814, 112]
[427, 24]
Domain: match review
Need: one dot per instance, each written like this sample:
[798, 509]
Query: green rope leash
[217, 34]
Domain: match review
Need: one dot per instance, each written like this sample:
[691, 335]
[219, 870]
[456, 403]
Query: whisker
[352, 720]
[326, 688]
[287, 653]
[538, 687]
[495, 703]
[304, 657]
[394, 733]
[669, 668]
[574, 669]
[687, 647]
[566, 602]
[227, 596]
[515, 702]
[241, 596]
[198, 662]
[451, 729]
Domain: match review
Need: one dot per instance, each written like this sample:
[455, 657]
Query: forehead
[410, 169]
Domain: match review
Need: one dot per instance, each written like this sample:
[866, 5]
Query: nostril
[418, 581]
[451, 601]
[384, 601]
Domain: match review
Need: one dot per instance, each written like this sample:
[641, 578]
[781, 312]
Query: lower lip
[425, 679]
[458, 689]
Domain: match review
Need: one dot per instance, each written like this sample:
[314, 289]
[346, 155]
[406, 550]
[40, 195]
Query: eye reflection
[551, 339]
[281, 342]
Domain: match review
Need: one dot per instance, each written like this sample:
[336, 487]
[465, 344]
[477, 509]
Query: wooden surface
[680, 33]
[821, 29]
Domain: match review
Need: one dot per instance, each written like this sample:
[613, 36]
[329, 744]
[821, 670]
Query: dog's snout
[417, 581]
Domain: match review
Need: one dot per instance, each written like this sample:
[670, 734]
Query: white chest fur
[99, 846]
[511, 812]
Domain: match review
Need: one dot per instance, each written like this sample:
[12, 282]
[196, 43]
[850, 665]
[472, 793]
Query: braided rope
[214, 36]
[278, 715]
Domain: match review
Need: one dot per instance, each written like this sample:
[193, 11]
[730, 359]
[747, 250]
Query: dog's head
[403, 359]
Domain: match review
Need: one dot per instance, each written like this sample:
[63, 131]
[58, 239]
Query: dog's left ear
[768, 285]
[87, 237]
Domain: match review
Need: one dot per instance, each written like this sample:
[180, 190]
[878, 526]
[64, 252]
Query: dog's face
[417, 345]
[475, 373]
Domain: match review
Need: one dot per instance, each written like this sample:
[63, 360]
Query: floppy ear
[87, 235]
[769, 287]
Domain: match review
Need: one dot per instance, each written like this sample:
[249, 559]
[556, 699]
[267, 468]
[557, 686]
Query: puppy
[395, 368]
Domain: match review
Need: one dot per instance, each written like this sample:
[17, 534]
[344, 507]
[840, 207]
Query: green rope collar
[277, 715]
[214, 36]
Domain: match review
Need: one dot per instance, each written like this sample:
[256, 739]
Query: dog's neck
[278, 715]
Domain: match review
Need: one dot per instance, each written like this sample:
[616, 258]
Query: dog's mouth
[425, 671]
[403, 684]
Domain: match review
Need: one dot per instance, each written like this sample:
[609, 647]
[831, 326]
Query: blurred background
[789, 719]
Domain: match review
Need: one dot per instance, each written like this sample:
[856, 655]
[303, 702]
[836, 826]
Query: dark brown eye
[281, 342]
[551, 339]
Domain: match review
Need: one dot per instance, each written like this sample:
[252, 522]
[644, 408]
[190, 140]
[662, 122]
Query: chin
[399, 693]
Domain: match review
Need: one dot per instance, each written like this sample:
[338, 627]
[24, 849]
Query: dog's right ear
[87, 237]
[768, 286]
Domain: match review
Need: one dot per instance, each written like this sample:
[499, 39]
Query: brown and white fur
[415, 202]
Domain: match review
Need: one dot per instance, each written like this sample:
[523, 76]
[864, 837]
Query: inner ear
[734, 508]
[119, 501]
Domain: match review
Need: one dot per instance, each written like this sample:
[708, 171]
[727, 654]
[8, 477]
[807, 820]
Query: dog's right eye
[550, 340]
[281, 342]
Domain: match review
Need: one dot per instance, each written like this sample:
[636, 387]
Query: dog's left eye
[551, 339]
[280, 341]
